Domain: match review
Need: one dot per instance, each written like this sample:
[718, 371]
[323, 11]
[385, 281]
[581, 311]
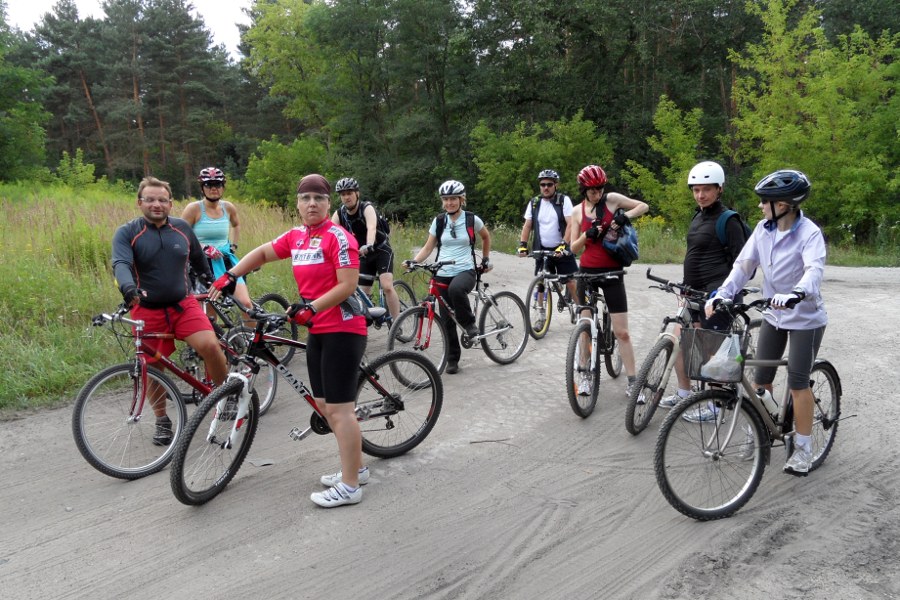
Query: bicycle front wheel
[648, 386]
[702, 472]
[411, 332]
[278, 304]
[398, 402]
[114, 421]
[214, 445]
[540, 307]
[582, 380]
[265, 384]
[406, 294]
[504, 323]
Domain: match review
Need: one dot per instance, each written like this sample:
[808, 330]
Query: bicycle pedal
[298, 434]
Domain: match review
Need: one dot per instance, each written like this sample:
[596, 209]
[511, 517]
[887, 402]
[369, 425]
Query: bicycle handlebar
[425, 266]
[590, 277]
[119, 315]
[550, 253]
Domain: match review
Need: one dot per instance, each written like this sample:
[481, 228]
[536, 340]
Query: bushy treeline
[403, 94]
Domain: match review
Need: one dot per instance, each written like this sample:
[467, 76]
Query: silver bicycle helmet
[347, 184]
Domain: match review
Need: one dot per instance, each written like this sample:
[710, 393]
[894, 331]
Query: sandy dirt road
[512, 496]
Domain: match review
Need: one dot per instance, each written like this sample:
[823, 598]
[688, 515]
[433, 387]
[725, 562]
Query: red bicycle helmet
[592, 176]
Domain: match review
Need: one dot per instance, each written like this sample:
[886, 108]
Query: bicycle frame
[595, 298]
[554, 282]
[141, 353]
[434, 300]
[259, 348]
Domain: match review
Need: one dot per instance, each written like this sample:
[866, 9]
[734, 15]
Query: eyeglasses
[213, 184]
[311, 198]
[154, 200]
[453, 230]
[545, 184]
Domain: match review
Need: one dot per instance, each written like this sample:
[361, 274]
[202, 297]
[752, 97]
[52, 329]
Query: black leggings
[801, 355]
[332, 360]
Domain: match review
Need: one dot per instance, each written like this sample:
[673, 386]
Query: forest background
[403, 94]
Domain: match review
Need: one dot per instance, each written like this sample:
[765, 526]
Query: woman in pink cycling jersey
[325, 260]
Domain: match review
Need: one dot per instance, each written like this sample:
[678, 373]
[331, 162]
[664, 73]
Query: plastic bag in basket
[726, 363]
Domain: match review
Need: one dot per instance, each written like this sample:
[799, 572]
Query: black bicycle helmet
[548, 174]
[347, 184]
[786, 185]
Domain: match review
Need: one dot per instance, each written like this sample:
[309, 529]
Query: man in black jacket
[708, 260]
[150, 260]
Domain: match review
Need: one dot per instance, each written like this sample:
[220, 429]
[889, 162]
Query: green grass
[55, 274]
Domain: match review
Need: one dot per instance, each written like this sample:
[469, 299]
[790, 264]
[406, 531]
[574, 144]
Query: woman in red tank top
[590, 220]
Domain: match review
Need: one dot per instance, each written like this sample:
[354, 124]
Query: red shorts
[185, 320]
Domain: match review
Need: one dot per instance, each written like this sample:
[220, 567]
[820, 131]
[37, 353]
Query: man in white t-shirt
[554, 217]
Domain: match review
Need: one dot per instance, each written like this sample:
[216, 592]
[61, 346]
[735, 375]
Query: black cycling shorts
[332, 360]
[613, 290]
[379, 260]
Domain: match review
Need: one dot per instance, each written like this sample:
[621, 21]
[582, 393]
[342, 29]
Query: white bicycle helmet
[706, 172]
[451, 187]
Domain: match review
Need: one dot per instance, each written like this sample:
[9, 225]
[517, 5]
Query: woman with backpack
[453, 233]
[597, 213]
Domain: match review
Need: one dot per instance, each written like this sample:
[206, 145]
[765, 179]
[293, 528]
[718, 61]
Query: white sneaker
[670, 401]
[799, 462]
[335, 478]
[584, 386]
[336, 496]
[702, 414]
[628, 389]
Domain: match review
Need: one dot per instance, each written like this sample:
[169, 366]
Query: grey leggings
[803, 350]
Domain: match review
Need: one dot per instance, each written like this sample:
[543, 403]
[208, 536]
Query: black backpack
[558, 201]
[382, 225]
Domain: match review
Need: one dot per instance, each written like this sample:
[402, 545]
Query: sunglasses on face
[543, 184]
[214, 184]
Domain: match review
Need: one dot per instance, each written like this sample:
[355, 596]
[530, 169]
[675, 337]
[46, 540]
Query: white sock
[683, 393]
[803, 441]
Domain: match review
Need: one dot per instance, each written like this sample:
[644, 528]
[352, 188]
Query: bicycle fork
[222, 410]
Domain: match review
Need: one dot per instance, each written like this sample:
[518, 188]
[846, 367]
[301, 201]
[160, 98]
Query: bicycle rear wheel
[648, 386]
[405, 293]
[582, 382]
[398, 402]
[111, 436]
[507, 315]
[540, 311]
[826, 388]
[278, 304]
[701, 476]
[213, 446]
[410, 332]
[265, 384]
